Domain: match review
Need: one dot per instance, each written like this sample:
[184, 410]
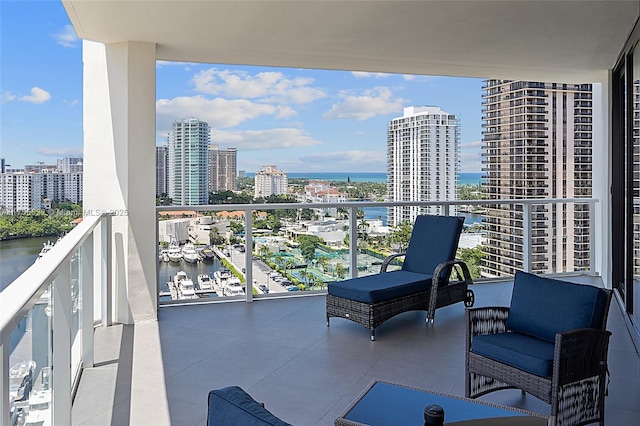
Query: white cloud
[273, 87]
[255, 140]
[471, 156]
[37, 96]
[363, 74]
[377, 101]
[218, 112]
[67, 37]
[354, 160]
[58, 152]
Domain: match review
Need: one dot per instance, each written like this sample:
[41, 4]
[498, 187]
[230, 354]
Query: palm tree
[264, 252]
[288, 264]
[340, 271]
[323, 261]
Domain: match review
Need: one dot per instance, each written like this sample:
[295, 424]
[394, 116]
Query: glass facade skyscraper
[188, 180]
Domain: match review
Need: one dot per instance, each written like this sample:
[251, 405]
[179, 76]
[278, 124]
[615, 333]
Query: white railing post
[526, 237]
[592, 239]
[353, 242]
[248, 253]
[61, 345]
[106, 251]
[4, 381]
[86, 290]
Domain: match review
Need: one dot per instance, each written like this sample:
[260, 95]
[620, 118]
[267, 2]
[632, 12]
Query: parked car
[293, 288]
[263, 288]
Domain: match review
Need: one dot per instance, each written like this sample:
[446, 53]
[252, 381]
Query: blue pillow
[542, 307]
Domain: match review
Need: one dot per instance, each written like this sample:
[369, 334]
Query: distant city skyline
[302, 120]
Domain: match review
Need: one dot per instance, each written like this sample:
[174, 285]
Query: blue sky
[301, 120]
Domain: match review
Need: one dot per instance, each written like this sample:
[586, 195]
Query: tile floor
[281, 352]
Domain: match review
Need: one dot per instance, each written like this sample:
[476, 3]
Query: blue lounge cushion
[233, 406]
[434, 240]
[542, 307]
[518, 350]
[380, 287]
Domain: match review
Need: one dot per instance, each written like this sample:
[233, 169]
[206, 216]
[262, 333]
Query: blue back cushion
[542, 307]
[434, 240]
[233, 406]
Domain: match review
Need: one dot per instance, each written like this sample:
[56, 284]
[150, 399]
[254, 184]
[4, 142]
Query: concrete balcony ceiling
[535, 40]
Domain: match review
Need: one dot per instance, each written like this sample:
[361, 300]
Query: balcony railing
[47, 319]
[47, 315]
[522, 210]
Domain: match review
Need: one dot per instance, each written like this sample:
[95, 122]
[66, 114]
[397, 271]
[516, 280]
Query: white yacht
[233, 287]
[189, 253]
[204, 282]
[221, 276]
[174, 252]
[184, 286]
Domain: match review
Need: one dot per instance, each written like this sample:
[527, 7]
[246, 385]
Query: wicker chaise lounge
[422, 284]
[551, 342]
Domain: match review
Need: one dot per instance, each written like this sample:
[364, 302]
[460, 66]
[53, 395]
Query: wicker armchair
[423, 283]
[565, 367]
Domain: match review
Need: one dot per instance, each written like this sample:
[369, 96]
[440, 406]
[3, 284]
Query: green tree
[401, 235]
[340, 270]
[473, 258]
[308, 245]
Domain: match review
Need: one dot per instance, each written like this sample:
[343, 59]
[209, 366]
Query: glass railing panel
[31, 367]
[76, 312]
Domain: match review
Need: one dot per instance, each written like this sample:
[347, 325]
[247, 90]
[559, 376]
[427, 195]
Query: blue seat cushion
[542, 307]
[380, 287]
[518, 350]
[233, 406]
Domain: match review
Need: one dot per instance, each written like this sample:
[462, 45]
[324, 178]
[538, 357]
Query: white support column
[61, 297]
[119, 159]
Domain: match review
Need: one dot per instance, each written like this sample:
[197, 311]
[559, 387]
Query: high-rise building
[537, 144]
[270, 181]
[222, 169]
[189, 162]
[61, 187]
[162, 172]
[422, 160]
[20, 192]
[70, 165]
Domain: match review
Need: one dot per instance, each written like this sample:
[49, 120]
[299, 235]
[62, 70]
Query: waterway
[17, 255]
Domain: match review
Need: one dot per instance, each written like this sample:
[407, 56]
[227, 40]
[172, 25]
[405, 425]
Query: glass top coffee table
[383, 403]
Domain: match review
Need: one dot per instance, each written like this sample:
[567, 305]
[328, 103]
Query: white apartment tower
[537, 144]
[20, 192]
[60, 187]
[223, 166]
[188, 180]
[270, 181]
[422, 160]
[162, 169]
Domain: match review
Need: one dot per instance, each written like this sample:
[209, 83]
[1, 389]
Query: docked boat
[204, 282]
[233, 287]
[184, 286]
[221, 276]
[174, 253]
[189, 253]
[207, 254]
[46, 247]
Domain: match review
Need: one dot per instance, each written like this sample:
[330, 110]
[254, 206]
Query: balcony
[278, 348]
[281, 352]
